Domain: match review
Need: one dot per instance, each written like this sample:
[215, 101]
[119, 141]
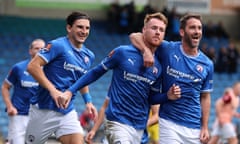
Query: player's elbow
[30, 68]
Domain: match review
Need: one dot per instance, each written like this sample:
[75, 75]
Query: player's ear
[68, 28]
[181, 31]
[143, 29]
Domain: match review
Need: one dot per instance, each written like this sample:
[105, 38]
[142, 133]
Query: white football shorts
[225, 132]
[45, 123]
[171, 133]
[117, 133]
[17, 129]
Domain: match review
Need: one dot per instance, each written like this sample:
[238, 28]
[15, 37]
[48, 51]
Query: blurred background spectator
[86, 120]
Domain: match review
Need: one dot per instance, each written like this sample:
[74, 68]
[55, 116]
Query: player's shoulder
[58, 41]
[205, 58]
[21, 63]
[169, 45]
[88, 51]
[126, 48]
[122, 47]
[119, 52]
[57, 44]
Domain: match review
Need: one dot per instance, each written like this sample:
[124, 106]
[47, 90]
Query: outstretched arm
[98, 122]
[137, 40]
[86, 79]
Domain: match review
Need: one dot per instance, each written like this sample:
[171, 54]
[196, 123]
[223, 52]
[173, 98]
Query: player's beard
[191, 41]
[155, 42]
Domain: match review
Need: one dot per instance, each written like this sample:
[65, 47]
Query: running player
[186, 119]
[24, 91]
[57, 67]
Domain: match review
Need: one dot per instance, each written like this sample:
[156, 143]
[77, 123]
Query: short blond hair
[36, 40]
[156, 15]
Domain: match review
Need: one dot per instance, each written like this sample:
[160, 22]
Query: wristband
[87, 98]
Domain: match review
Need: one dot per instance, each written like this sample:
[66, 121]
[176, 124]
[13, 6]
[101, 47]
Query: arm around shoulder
[137, 40]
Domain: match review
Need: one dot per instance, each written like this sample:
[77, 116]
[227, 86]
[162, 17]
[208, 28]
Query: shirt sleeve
[51, 51]
[113, 58]
[208, 83]
[108, 63]
[12, 76]
[158, 98]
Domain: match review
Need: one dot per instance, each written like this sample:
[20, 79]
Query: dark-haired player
[57, 67]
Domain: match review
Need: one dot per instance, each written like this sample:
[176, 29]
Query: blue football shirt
[130, 87]
[24, 87]
[65, 64]
[194, 75]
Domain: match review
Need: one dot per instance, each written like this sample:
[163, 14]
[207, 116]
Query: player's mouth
[156, 38]
[196, 38]
[83, 37]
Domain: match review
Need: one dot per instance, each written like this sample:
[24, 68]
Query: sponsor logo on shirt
[28, 83]
[134, 78]
[71, 67]
[178, 74]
